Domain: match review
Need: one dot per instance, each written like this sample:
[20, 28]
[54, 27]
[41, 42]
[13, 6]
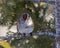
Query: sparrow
[25, 24]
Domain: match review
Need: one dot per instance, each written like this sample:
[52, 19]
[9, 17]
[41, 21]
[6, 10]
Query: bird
[25, 24]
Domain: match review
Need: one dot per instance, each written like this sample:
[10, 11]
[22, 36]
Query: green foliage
[13, 10]
[40, 42]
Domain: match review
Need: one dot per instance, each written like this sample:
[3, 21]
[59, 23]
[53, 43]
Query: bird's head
[24, 16]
